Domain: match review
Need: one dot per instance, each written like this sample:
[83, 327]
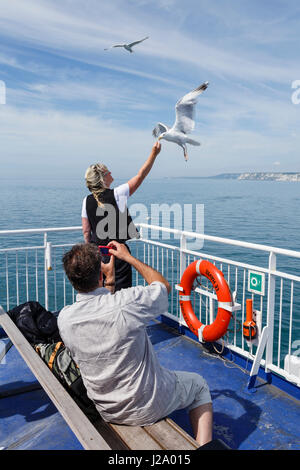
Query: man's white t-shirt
[121, 194]
[107, 338]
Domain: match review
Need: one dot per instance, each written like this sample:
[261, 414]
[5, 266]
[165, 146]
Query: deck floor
[268, 419]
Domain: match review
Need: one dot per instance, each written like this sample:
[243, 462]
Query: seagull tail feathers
[193, 142]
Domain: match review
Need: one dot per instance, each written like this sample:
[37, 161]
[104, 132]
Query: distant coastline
[255, 176]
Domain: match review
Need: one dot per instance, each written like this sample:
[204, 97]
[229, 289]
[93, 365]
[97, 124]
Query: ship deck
[265, 420]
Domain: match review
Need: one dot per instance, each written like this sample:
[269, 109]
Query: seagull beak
[159, 138]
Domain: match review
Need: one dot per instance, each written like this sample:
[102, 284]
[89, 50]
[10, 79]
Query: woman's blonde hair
[94, 179]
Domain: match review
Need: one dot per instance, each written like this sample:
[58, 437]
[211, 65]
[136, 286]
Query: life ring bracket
[230, 307]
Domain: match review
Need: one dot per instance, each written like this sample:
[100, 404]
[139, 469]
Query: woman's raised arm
[137, 180]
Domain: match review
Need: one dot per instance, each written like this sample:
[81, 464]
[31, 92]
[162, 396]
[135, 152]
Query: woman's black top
[109, 223]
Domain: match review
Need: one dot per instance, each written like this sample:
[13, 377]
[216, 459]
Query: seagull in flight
[128, 47]
[184, 123]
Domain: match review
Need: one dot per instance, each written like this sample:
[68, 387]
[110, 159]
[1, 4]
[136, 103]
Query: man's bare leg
[202, 423]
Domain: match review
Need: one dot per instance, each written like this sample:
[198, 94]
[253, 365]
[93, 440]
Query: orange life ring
[219, 327]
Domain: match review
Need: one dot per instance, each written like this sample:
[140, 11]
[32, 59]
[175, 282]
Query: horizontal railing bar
[227, 241]
[291, 277]
[22, 248]
[39, 230]
[65, 245]
[163, 245]
[289, 377]
[243, 265]
[225, 260]
[175, 248]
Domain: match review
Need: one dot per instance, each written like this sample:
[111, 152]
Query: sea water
[266, 212]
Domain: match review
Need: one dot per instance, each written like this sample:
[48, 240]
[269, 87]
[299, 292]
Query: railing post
[48, 255]
[182, 266]
[141, 233]
[46, 271]
[270, 311]
[182, 254]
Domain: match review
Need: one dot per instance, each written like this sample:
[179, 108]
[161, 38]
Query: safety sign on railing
[256, 282]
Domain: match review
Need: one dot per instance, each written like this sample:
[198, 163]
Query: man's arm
[108, 269]
[149, 274]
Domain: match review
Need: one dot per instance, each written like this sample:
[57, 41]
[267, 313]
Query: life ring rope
[219, 327]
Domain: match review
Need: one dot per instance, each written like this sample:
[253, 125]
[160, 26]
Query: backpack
[35, 322]
[58, 359]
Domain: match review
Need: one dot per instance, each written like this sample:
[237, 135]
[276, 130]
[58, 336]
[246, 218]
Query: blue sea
[263, 212]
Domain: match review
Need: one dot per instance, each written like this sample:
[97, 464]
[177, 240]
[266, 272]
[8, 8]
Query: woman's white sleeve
[83, 210]
[121, 194]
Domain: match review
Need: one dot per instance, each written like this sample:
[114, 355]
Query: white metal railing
[35, 272]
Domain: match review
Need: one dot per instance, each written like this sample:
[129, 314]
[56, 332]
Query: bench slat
[86, 433]
[135, 437]
[184, 434]
[110, 435]
[170, 437]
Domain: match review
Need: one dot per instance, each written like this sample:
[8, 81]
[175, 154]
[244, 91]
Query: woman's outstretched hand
[156, 148]
[137, 180]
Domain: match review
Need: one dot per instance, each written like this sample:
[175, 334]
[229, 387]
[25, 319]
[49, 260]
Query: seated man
[107, 338]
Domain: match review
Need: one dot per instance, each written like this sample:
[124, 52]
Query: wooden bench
[163, 435]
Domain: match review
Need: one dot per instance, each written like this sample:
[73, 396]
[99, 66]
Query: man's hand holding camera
[149, 274]
[108, 270]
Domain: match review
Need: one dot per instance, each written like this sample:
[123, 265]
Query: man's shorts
[191, 391]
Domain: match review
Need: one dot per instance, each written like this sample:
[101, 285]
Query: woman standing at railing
[105, 216]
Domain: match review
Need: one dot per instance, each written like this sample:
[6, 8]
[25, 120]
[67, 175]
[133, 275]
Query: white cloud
[245, 116]
[68, 142]
[82, 33]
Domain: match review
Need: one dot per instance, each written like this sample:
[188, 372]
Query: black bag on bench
[37, 324]
[39, 327]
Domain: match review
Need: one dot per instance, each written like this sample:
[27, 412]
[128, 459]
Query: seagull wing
[111, 47]
[137, 42]
[185, 110]
[159, 129]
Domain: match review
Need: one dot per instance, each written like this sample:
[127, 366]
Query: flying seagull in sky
[184, 123]
[128, 47]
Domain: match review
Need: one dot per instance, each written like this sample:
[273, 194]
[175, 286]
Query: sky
[69, 103]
